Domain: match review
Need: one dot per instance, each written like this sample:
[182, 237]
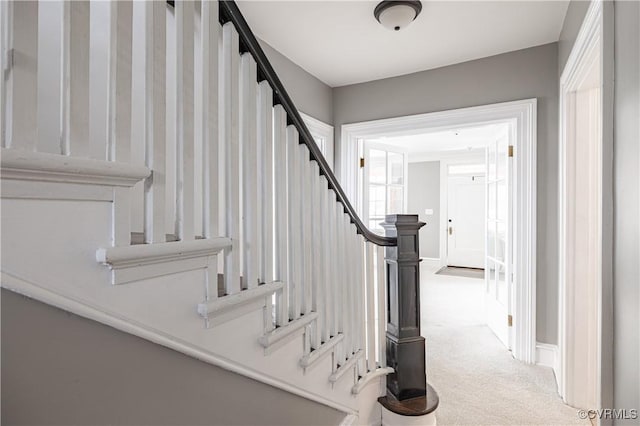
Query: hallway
[477, 379]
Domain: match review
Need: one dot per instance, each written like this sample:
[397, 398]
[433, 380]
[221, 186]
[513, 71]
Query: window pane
[491, 161]
[396, 168]
[374, 225]
[491, 201]
[501, 284]
[501, 238]
[396, 197]
[502, 209]
[502, 158]
[377, 201]
[377, 166]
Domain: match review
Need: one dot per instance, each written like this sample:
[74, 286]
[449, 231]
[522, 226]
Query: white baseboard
[437, 259]
[547, 355]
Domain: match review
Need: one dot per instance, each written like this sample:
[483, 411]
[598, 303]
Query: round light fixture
[397, 14]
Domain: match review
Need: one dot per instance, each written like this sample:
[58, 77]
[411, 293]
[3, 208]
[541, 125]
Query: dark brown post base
[419, 406]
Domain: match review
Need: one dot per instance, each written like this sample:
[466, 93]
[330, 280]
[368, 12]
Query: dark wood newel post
[407, 389]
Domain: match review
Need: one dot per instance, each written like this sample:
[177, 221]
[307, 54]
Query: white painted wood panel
[249, 155]
[229, 136]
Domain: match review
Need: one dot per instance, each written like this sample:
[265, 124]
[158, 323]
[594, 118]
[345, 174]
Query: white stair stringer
[52, 258]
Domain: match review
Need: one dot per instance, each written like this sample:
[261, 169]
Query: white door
[498, 267]
[465, 223]
[385, 183]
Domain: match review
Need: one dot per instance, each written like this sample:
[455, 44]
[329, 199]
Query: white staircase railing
[230, 169]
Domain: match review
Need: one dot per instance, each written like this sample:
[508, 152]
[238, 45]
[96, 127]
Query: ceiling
[468, 139]
[341, 43]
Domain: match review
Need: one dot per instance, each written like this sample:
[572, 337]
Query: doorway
[584, 277]
[518, 118]
[466, 216]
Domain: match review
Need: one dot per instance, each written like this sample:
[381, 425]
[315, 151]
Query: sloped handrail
[229, 12]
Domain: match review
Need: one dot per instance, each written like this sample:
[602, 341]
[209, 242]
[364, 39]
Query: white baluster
[381, 287]
[75, 79]
[324, 231]
[361, 324]
[370, 287]
[340, 295]
[154, 120]
[294, 178]
[266, 191]
[184, 120]
[249, 154]
[119, 93]
[333, 265]
[318, 258]
[347, 284]
[49, 59]
[229, 136]
[282, 207]
[266, 178]
[210, 148]
[305, 231]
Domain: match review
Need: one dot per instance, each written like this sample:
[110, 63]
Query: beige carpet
[478, 380]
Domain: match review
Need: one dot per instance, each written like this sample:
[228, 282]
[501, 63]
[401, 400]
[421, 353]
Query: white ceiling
[469, 139]
[341, 43]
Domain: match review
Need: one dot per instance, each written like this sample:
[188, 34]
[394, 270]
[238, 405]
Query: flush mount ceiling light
[397, 14]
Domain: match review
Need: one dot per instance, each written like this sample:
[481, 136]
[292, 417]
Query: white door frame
[589, 47]
[522, 117]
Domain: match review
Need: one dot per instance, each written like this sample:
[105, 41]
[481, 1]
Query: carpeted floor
[478, 381]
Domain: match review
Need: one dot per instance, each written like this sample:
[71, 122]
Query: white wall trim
[589, 40]
[324, 130]
[143, 261]
[547, 356]
[17, 164]
[524, 114]
[112, 319]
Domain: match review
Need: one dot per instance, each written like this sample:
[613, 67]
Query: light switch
[428, 212]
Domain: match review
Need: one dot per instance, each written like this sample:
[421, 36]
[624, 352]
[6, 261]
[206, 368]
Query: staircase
[156, 177]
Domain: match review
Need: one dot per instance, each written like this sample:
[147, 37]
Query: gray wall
[572, 21]
[58, 368]
[626, 259]
[528, 73]
[424, 193]
[309, 94]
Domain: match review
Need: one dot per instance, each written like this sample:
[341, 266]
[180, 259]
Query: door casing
[522, 116]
